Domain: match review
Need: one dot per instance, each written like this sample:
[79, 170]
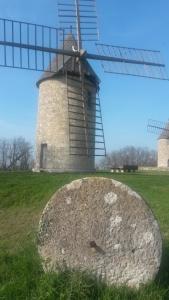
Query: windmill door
[43, 156]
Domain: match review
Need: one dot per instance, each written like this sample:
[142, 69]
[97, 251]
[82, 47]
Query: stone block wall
[53, 130]
[163, 153]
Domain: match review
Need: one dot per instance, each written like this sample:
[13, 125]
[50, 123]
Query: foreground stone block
[101, 225]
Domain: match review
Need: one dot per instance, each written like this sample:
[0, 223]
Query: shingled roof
[165, 132]
[60, 62]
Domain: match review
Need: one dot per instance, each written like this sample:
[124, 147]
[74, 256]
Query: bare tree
[4, 148]
[130, 156]
[15, 154]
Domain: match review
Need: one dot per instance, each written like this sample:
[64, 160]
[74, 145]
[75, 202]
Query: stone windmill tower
[65, 134]
[161, 129]
[69, 129]
[163, 148]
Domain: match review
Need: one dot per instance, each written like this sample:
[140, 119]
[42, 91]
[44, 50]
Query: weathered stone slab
[101, 225]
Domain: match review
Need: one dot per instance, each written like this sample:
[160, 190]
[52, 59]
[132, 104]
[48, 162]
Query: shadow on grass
[22, 277]
[163, 276]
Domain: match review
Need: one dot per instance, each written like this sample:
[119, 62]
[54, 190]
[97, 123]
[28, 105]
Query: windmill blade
[159, 128]
[132, 61]
[79, 17]
[28, 46]
[86, 134]
[31, 46]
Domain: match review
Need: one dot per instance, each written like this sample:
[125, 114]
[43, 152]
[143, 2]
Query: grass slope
[22, 199]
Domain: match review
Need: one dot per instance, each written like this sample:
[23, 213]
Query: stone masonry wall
[163, 153]
[53, 130]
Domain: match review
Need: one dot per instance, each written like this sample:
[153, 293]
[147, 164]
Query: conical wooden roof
[67, 63]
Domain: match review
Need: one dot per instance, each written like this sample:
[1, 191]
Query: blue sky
[127, 102]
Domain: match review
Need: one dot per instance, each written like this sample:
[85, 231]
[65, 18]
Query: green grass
[22, 199]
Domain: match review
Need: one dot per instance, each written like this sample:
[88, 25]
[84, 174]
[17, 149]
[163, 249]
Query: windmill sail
[132, 61]
[28, 46]
[80, 17]
[31, 46]
[159, 128]
[86, 132]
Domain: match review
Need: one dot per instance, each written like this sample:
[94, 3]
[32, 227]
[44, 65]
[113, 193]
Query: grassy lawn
[22, 199]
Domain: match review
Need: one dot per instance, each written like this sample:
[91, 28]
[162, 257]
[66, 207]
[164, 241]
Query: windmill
[70, 129]
[162, 130]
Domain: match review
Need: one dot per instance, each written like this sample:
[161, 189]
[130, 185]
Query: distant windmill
[70, 130]
[162, 130]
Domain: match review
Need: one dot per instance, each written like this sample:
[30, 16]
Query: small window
[89, 100]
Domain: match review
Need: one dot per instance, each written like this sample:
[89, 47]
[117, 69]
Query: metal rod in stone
[93, 245]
